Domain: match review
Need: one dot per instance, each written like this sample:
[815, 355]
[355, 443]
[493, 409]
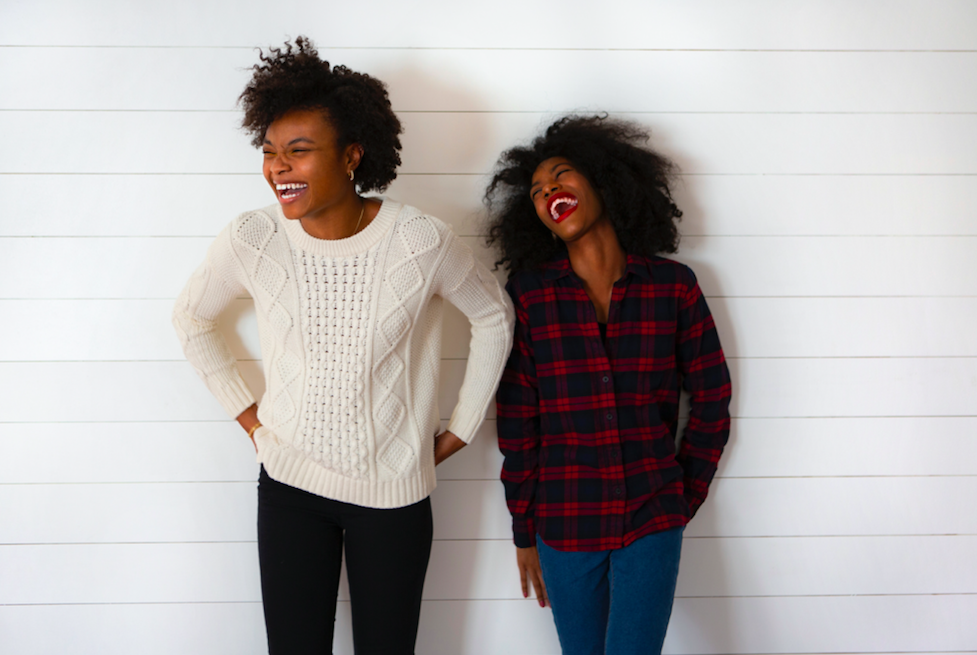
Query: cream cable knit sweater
[351, 345]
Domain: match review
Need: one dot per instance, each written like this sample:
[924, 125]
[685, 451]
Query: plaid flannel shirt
[588, 431]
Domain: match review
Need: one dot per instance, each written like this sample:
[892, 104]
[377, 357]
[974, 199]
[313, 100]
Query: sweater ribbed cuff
[234, 396]
[464, 424]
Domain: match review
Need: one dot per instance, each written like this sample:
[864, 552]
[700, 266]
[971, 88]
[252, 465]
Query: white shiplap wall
[829, 159]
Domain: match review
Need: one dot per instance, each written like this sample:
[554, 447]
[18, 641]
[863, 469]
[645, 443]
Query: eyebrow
[304, 139]
[552, 168]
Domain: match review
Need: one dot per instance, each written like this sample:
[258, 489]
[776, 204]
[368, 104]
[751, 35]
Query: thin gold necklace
[360, 219]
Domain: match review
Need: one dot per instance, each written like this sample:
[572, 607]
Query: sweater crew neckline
[348, 247]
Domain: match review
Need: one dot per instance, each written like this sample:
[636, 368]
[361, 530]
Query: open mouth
[562, 205]
[290, 191]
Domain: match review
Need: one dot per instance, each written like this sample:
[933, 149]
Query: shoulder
[529, 286]
[411, 219]
[254, 227]
[668, 271]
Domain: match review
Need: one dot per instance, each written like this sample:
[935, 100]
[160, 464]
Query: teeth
[572, 202]
[290, 185]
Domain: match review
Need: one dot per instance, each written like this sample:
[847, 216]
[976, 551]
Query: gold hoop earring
[351, 175]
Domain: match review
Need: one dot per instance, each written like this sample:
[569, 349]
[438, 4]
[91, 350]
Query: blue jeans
[613, 602]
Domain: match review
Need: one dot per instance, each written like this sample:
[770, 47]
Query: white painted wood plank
[143, 391]
[758, 507]
[902, 624]
[218, 452]
[485, 570]
[130, 329]
[447, 142]
[846, 327]
[114, 513]
[155, 629]
[172, 452]
[772, 388]
[99, 267]
[749, 24]
[874, 624]
[56, 453]
[778, 507]
[827, 205]
[807, 447]
[826, 266]
[832, 506]
[110, 330]
[715, 205]
[144, 267]
[208, 79]
[854, 387]
[130, 573]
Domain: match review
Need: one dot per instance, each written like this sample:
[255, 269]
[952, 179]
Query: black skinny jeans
[300, 548]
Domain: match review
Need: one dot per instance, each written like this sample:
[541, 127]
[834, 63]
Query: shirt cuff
[524, 532]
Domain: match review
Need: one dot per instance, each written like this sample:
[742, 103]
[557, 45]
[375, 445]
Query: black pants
[300, 547]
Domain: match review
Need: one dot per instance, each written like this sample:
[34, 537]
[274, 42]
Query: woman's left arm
[468, 285]
[706, 377]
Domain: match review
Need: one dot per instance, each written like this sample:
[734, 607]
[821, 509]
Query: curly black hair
[356, 105]
[632, 180]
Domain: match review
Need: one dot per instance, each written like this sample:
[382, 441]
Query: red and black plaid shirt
[588, 429]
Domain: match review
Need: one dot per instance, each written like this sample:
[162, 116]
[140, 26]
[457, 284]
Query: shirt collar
[560, 267]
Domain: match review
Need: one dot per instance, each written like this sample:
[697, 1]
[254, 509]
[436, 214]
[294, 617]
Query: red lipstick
[561, 205]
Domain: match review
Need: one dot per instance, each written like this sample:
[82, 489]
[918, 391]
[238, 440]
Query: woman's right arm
[517, 402]
[209, 291]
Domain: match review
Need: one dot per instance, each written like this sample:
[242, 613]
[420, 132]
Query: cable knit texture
[351, 341]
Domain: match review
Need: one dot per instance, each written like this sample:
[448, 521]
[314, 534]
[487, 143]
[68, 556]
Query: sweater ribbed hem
[292, 468]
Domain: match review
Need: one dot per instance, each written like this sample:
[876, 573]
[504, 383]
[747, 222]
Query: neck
[597, 256]
[338, 221]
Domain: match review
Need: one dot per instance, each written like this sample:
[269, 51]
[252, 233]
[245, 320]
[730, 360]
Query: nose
[550, 188]
[279, 163]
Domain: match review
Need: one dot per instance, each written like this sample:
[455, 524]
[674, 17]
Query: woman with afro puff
[348, 294]
[607, 333]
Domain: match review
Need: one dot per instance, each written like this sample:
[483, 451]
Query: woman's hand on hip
[446, 444]
[248, 419]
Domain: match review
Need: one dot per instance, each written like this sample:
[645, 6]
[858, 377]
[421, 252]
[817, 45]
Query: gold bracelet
[253, 428]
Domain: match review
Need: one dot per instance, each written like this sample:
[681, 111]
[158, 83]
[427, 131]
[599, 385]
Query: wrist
[257, 424]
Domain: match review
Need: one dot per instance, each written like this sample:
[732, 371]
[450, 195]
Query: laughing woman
[606, 334]
[348, 292]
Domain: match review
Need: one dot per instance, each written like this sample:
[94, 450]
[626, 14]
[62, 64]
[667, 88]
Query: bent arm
[195, 314]
[469, 286]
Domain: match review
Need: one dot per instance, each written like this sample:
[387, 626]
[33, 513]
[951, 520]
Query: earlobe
[354, 153]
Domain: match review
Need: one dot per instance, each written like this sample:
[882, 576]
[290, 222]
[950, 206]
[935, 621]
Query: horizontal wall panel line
[706, 296]
[459, 600]
[486, 173]
[630, 112]
[95, 46]
[704, 235]
[465, 359]
[504, 540]
[733, 417]
[455, 174]
[697, 235]
[496, 479]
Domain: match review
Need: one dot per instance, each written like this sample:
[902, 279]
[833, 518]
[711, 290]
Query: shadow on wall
[701, 618]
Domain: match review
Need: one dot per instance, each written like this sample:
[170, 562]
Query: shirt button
[605, 378]
[617, 491]
[610, 417]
